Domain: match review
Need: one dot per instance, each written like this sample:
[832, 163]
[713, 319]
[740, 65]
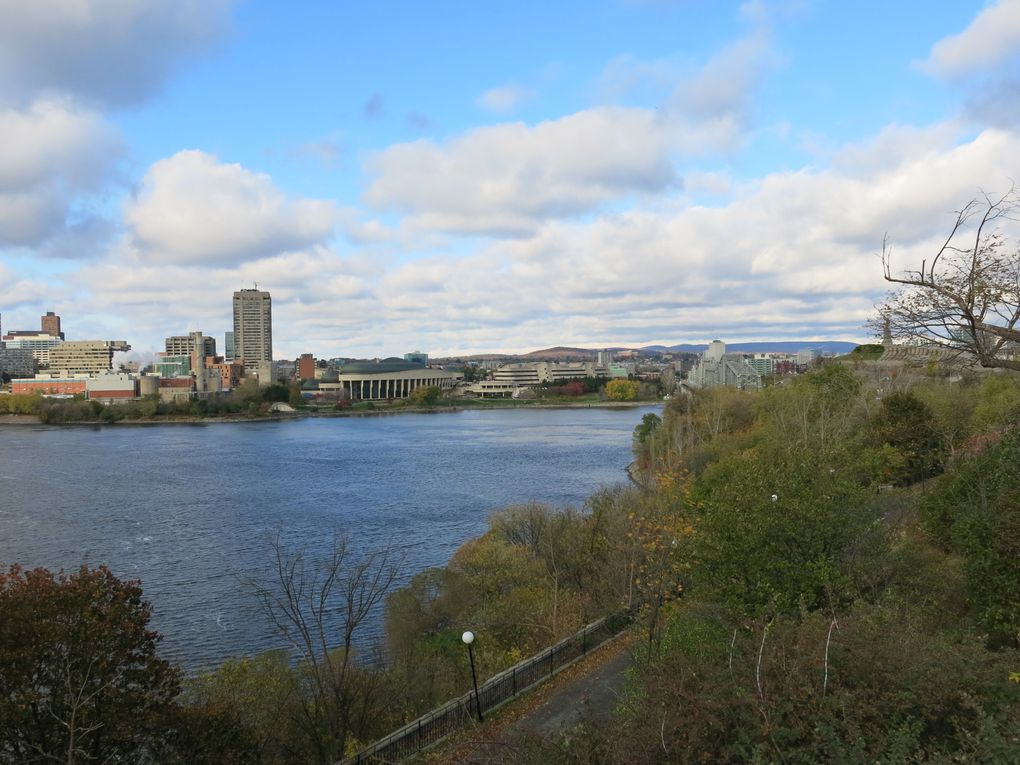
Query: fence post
[514, 674]
[550, 663]
[584, 640]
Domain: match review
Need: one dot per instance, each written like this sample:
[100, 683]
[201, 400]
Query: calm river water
[187, 508]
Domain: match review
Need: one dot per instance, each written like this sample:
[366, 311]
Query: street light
[468, 638]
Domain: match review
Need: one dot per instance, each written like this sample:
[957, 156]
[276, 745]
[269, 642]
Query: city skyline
[489, 179]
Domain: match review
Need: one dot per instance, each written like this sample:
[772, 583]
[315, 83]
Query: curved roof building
[386, 378]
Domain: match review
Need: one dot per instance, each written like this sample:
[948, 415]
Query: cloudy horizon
[490, 178]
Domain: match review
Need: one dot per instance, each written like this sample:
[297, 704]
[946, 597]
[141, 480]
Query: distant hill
[565, 353]
[777, 346]
[562, 353]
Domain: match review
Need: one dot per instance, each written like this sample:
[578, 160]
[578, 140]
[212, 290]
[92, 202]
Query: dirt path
[585, 692]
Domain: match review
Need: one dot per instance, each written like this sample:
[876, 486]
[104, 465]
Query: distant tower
[228, 346]
[886, 334]
[253, 327]
[716, 350]
[50, 324]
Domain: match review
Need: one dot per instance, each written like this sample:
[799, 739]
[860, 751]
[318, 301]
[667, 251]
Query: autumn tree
[80, 680]
[621, 390]
[966, 297]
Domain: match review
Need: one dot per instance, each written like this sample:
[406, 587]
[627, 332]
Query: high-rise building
[253, 327]
[228, 346]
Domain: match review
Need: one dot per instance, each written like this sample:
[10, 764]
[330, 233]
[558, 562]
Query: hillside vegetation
[849, 558]
[826, 571]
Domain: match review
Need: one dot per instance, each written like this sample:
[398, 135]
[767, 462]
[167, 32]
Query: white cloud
[788, 256]
[503, 100]
[191, 208]
[502, 179]
[52, 157]
[108, 51]
[49, 139]
[507, 179]
[722, 89]
[627, 75]
[16, 292]
[992, 38]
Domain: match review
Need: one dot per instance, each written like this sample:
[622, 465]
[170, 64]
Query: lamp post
[469, 638]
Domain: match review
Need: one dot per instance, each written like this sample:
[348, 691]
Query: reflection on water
[188, 508]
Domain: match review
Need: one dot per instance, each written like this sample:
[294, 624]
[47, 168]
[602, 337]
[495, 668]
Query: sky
[458, 177]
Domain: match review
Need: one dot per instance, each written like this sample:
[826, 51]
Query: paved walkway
[585, 692]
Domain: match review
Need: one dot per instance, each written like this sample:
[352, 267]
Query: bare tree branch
[965, 301]
[318, 607]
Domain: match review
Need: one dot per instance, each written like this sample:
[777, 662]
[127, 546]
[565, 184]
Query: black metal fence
[430, 728]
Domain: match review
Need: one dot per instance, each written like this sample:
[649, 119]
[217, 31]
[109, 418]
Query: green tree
[80, 680]
[908, 425]
[975, 512]
[425, 395]
[876, 685]
[277, 392]
[255, 695]
[782, 528]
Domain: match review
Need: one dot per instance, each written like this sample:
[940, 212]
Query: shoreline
[31, 420]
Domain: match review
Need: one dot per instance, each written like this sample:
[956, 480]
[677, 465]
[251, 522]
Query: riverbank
[379, 409]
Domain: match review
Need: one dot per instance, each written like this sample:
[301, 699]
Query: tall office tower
[228, 346]
[253, 327]
[50, 325]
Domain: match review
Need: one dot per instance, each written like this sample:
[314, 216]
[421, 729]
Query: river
[187, 509]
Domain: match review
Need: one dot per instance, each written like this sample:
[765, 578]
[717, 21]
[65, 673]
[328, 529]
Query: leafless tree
[966, 299]
[318, 607]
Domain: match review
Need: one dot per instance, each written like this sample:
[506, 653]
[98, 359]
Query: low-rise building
[186, 345]
[491, 389]
[384, 379]
[85, 356]
[50, 385]
[172, 366]
[231, 372]
[16, 362]
[536, 373]
[175, 388]
[112, 387]
[38, 344]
